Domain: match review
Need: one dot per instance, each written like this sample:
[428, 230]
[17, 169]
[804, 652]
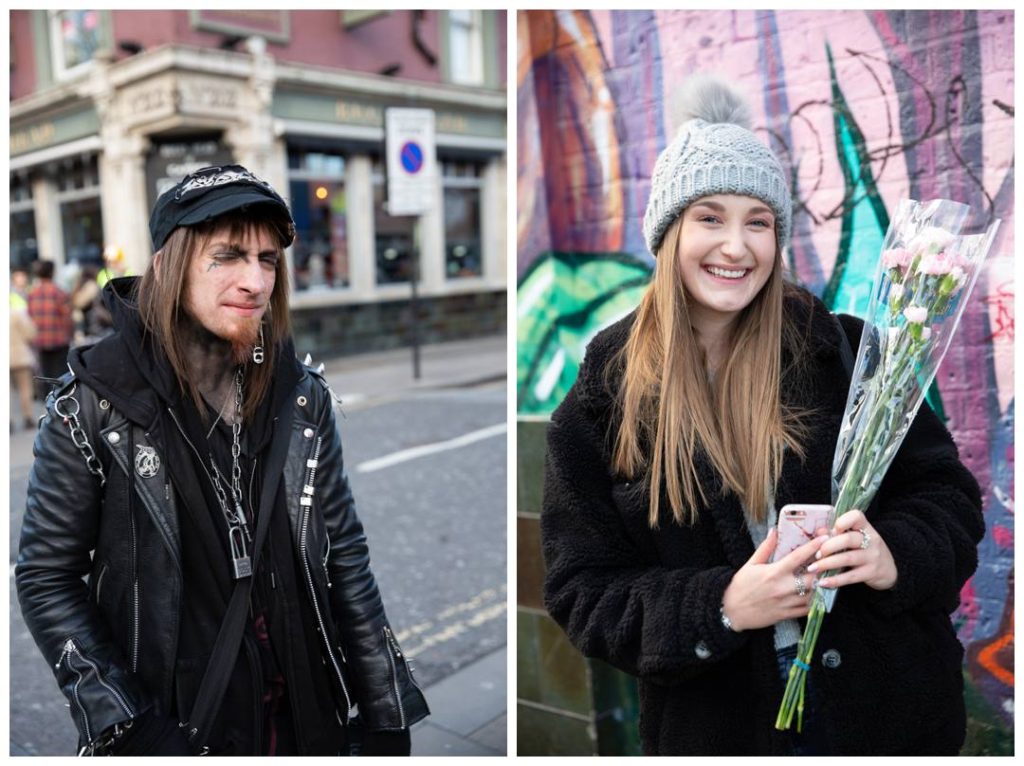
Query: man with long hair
[191, 467]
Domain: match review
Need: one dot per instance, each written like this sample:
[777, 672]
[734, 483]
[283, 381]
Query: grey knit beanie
[714, 152]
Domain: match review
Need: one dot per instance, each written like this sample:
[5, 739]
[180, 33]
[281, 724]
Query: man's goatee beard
[242, 344]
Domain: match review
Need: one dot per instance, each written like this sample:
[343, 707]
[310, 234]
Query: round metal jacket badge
[147, 462]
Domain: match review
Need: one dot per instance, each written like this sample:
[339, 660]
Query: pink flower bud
[926, 333]
[897, 258]
[916, 314]
[938, 263]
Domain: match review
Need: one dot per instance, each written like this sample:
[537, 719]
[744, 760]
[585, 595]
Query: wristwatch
[726, 622]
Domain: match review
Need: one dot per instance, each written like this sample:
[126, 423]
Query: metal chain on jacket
[78, 435]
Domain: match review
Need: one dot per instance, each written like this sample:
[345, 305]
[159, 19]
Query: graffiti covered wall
[864, 108]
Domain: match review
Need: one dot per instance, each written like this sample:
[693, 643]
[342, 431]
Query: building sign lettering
[447, 122]
[355, 113]
[152, 100]
[34, 137]
[206, 97]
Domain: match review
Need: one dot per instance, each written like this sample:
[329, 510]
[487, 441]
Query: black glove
[387, 743]
[151, 734]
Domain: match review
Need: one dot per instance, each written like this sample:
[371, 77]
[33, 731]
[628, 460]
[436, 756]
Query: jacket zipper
[392, 646]
[71, 649]
[190, 444]
[135, 560]
[319, 617]
[309, 582]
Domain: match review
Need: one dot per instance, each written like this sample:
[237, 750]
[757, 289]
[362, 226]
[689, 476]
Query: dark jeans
[813, 740]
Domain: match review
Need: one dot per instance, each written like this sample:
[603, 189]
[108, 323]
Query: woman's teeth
[726, 273]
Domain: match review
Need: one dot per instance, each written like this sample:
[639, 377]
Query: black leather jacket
[111, 640]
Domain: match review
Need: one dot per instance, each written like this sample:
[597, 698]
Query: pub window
[463, 255]
[75, 38]
[320, 254]
[78, 196]
[393, 235]
[24, 246]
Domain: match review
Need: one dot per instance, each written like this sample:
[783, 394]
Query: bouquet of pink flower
[924, 277]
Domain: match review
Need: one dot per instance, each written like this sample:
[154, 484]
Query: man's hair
[162, 309]
[43, 269]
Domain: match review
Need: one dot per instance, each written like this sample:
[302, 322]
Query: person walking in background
[49, 307]
[19, 285]
[230, 608]
[91, 317]
[696, 417]
[114, 266]
[22, 333]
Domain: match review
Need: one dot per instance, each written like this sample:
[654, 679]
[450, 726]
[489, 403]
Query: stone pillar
[493, 223]
[124, 204]
[252, 137]
[49, 234]
[362, 258]
[123, 200]
[432, 266]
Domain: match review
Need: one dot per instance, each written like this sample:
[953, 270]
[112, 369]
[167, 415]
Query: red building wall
[316, 37]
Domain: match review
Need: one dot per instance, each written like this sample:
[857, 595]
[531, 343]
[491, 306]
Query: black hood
[132, 372]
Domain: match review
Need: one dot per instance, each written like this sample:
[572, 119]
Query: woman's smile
[727, 275]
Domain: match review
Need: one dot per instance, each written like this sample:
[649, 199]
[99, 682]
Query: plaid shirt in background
[50, 309]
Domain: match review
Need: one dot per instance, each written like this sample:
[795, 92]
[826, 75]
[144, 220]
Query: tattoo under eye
[214, 264]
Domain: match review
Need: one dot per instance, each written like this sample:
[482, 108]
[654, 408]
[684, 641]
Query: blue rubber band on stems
[802, 665]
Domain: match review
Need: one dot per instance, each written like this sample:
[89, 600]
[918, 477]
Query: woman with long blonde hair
[693, 420]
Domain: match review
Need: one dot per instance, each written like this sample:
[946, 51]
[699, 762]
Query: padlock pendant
[243, 567]
[239, 557]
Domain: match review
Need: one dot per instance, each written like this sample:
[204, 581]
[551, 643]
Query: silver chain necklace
[238, 527]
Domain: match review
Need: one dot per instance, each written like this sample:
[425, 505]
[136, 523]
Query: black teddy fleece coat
[887, 664]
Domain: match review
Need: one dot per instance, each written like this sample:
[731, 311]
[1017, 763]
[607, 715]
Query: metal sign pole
[414, 305]
[411, 154]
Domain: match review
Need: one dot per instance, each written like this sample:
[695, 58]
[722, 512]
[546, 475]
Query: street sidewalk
[385, 374]
[467, 711]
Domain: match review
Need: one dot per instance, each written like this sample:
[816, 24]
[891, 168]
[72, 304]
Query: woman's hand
[762, 594]
[857, 545]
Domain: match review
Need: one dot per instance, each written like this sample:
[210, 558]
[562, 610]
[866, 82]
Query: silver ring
[801, 586]
[866, 541]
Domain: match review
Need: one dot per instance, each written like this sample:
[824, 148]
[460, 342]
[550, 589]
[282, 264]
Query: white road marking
[402, 456]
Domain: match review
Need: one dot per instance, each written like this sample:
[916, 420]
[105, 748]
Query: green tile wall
[531, 434]
[530, 569]
[548, 732]
[568, 705]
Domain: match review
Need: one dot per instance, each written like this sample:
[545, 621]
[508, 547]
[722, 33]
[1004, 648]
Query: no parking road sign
[412, 166]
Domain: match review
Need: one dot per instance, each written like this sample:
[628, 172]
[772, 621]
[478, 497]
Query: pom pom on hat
[710, 98]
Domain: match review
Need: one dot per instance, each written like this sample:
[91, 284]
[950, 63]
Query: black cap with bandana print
[210, 193]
